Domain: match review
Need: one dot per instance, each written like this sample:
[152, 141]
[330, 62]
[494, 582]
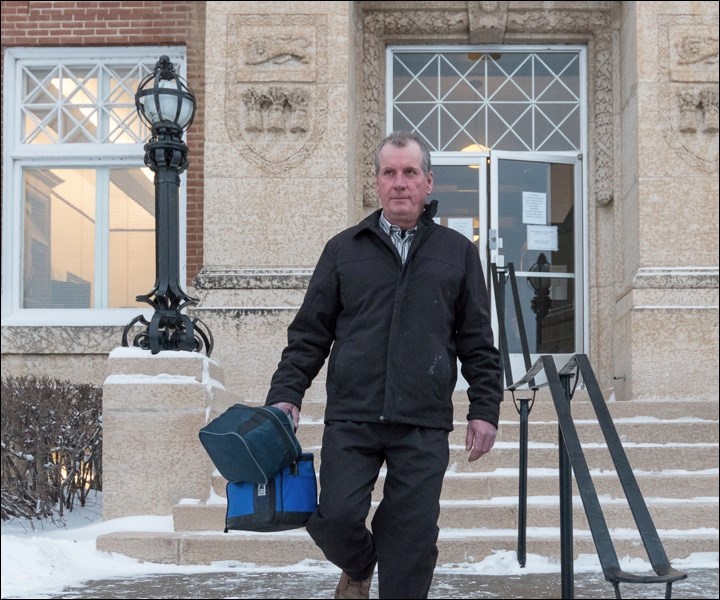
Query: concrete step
[543, 408]
[632, 429]
[543, 511]
[672, 447]
[644, 456]
[455, 545]
[653, 457]
[544, 482]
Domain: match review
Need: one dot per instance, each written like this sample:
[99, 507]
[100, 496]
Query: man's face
[402, 186]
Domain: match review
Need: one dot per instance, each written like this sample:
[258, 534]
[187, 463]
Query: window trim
[17, 157]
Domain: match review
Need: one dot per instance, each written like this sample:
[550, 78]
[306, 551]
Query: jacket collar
[372, 221]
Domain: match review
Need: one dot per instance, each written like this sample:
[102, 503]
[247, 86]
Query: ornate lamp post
[540, 303]
[167, 105]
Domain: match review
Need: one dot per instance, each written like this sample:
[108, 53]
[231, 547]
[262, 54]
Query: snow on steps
[672, 446]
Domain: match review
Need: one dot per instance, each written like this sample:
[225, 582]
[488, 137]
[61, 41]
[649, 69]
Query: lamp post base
[169, 330]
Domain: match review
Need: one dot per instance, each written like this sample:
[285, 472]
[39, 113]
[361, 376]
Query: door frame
[487, 162]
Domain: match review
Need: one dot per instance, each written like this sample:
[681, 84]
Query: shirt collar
[387, 227]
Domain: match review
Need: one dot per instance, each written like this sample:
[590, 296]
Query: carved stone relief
[275, 90]
[698, 109]
[276, 110]
[594, 27]
[689, 63]
[487, 21]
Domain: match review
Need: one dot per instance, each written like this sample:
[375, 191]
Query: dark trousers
[403, 541]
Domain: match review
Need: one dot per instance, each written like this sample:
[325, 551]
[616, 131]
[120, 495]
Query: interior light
[475, 148]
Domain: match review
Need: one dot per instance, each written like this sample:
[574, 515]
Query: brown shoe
[350, 589]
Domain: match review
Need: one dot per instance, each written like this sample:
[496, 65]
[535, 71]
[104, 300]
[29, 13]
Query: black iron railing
[523, 405]
[572, 460]
[572, 457]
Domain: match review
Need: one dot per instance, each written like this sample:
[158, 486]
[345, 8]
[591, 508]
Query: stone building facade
[293, 100]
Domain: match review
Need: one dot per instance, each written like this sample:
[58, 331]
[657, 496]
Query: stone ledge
[676, 277]
[62, 339]
[273, 278]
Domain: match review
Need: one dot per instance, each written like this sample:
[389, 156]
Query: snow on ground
[61, 552]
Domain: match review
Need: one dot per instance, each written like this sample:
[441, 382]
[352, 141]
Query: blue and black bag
[285, 502]
[251, 443]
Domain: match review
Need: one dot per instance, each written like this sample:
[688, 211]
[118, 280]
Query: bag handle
[258, 419]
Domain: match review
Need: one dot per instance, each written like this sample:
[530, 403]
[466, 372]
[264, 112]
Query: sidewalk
[701, 583]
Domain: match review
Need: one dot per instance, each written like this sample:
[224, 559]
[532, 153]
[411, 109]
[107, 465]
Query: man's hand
[480, 438]
[290, 409]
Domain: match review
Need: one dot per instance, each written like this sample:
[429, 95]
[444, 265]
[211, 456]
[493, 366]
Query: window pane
[513, 100]
[132, 236]
[59, 238]
[79, 92]
[39, 106]
[548, 314]
[461, 78]
[124, 124]
[79, 104]
[457, 189]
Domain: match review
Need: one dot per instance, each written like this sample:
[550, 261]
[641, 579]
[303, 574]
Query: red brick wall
[32, 24]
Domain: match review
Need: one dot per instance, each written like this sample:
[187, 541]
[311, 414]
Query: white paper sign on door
[464, 226]
[534, 208]
[542, 237]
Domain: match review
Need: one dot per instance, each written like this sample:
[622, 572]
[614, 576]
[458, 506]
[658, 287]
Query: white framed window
[78, 202]
[514, 98]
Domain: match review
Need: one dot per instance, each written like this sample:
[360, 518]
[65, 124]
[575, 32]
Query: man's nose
[400, 181]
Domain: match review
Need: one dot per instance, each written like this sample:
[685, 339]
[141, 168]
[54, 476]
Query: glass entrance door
[522, 209]
[536, 226]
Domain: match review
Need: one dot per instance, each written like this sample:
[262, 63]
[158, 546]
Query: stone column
[153, 409]
[665, 342]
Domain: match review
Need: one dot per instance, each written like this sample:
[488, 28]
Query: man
[399, 299]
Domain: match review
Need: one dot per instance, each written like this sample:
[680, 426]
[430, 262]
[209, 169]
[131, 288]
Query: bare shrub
[51, 445]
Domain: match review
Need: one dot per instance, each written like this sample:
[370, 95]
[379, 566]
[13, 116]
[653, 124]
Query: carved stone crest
[689, 55]
[275, 88]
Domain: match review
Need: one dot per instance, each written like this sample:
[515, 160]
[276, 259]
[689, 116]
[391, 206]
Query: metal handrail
[572, 456]
[522, 405]
[571, 459]
[653, 546]
[499, 288]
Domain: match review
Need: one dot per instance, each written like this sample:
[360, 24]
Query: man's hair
[402, 139]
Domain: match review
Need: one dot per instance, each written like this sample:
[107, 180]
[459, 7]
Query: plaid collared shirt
[401, 238]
